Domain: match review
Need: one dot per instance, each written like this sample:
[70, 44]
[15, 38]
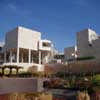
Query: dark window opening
[0, 48]
[59, 56]
[46, 44]
[90, 45]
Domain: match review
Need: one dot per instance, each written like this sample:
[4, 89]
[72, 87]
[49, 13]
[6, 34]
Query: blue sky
[58, 20]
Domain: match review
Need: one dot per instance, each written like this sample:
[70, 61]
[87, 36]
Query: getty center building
[24, 47]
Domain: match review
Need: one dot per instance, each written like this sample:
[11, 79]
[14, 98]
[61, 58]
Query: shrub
[25, 74]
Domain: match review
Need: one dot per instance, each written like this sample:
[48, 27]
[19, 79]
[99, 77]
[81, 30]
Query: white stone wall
[11, 40]
[1, 44]
[44, 48]
[92, 35]
[28, 38]
[68, 52]
[88, 44]
[22, 38]
[12, 85]
[84, 42]
[96, 45]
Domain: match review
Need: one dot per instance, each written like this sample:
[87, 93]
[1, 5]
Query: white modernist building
[24, 47]
[87, 46]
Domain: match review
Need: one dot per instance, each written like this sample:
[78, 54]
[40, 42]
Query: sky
[57, 20]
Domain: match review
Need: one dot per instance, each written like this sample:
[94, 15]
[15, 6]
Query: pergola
[10, 67]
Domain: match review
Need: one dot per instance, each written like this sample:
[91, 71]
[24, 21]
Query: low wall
[12, 85]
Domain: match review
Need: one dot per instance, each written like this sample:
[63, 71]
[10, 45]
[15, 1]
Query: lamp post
[68, 71]
[66, 64]
[75, 55]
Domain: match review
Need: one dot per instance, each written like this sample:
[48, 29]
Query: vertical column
[39, 57]
[29, 56]
[22, 60]
[17, 55]
[10, 56]
[32, 58]
[5, 57]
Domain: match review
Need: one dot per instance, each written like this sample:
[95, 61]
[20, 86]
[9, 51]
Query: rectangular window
[0, 48]
[46, 44]
[90, 44]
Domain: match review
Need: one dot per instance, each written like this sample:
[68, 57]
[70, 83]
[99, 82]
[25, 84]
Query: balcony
[45, 45]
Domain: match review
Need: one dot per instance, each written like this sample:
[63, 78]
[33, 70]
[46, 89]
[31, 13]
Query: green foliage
[60, 74]
[86, 58]
[36, 94]
[83, 58]
[31, 74]
[96, 80]
[37, 74]
[6, 72]
[25, 74]
[95, 84]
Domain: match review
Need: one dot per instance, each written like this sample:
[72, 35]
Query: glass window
[46, 44]
[90, 44]
[0, 48]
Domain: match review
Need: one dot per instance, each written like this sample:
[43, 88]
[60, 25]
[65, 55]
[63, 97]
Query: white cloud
[16, 9]
[12, 6]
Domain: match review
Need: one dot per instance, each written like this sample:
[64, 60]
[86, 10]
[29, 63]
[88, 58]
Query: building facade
[68, 53]
[1, 55]
[87, 46]
[58, 58]
[24, 47]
